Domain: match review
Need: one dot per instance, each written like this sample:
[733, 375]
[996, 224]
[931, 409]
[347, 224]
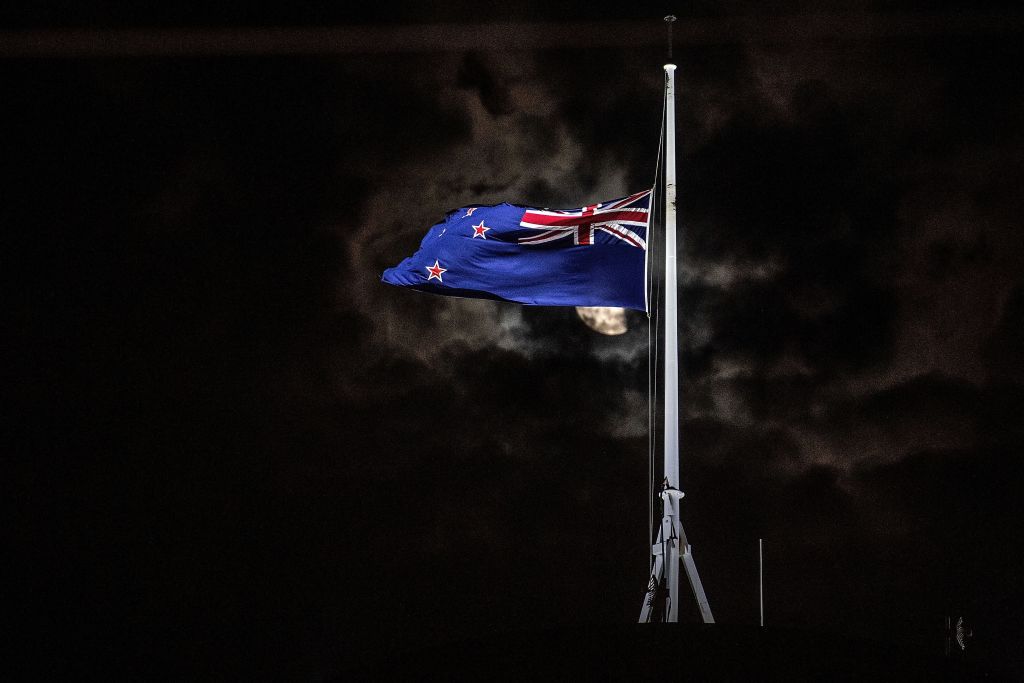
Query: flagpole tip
[670, 18]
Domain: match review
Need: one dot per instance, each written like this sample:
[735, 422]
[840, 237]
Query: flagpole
[671, 547]
[671, 341]
[680, 549]
[671, 325]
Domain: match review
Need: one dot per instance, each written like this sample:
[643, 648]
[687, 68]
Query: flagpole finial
[668, 22]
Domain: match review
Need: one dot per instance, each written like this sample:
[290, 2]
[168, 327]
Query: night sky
[233, 452]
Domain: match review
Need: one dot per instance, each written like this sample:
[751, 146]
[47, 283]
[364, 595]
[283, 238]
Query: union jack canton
[614, 218]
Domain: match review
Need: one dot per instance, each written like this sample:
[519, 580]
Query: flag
[591, 256]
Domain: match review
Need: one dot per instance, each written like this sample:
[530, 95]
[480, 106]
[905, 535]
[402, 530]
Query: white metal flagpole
[672, 546]
[671, 326]
[671, 342]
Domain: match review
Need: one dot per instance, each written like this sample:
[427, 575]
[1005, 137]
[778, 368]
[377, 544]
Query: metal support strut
[676, 549]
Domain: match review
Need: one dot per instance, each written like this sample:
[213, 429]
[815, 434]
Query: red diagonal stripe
[621, 235]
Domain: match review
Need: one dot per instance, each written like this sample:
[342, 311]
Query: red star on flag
[435, 271]
[479, 230]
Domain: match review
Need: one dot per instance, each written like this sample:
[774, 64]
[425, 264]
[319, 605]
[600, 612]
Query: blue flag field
[590, 256]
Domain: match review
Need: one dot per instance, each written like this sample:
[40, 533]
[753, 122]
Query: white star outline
[435, 271]
[479, 230]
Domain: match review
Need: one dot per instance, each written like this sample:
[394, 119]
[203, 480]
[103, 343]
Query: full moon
[610, 321]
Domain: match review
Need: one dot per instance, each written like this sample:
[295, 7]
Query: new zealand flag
[592, 256]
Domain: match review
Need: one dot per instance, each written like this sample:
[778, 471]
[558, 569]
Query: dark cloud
[494, 93]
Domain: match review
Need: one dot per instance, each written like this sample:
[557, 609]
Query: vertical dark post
[669, 20]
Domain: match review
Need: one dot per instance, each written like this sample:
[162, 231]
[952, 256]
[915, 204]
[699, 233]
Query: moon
[606, 320]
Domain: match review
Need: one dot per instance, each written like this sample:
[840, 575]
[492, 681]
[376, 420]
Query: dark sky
[234, 452]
